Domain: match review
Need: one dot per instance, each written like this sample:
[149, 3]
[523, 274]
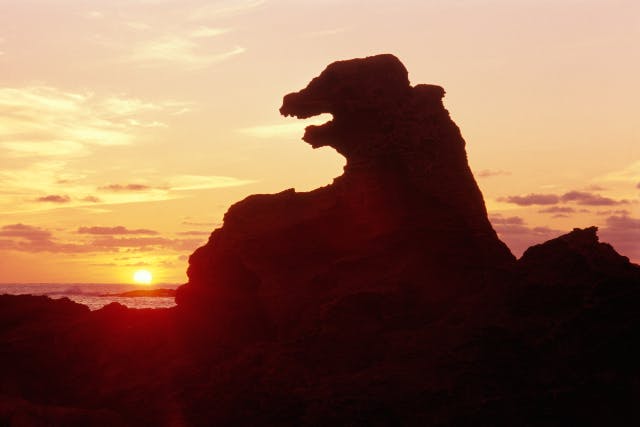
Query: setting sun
[142, 277]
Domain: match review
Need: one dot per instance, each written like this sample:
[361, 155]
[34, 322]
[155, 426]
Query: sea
[93, 295]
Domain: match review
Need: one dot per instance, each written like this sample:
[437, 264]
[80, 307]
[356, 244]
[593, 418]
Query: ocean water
[92, 295]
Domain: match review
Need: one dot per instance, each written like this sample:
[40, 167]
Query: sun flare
[142, 277]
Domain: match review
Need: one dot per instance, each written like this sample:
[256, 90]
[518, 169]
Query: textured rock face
[406, 216]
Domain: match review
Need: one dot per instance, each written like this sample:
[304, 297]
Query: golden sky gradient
[128, 127]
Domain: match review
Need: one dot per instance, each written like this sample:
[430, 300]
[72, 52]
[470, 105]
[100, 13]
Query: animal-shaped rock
[405, 220]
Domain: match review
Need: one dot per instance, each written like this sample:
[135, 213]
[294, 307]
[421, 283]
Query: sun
[142, 277]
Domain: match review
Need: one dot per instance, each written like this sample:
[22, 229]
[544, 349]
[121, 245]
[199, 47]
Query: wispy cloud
[191, 40]
[487, 173]
[623, 212]
[119, 229]
[94, 14]
[54, 198]
[186, 47]
[590, 199]
[225, 9]
[630, 173]
[326, 33]
[125, 187]
[42, 121]
[137, 25]
[181, 50]
[91, 199]
[623, 232]
[532, 199]
[206, 32]
[558, 209]
[144, 243]
[167, 188]
[193, 233]
[510, 221]
[515, 232]
[584, 198]
[27, 238]
[44, 129]
[203, 182]
[293, 129]
[191, 222]
[24, 231]
[29, 180]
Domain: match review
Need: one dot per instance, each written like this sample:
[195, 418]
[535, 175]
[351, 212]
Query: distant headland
[160, 292]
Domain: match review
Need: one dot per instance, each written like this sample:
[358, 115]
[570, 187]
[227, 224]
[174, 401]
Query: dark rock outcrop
[406, 219]
[384, 298]
[576, 259]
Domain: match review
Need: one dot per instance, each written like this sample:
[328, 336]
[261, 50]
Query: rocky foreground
[385, 298]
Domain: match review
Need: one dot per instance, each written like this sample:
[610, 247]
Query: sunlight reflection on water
[93, 294]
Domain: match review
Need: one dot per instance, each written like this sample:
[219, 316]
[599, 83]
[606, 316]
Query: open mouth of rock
[320, 135]
[317, 135]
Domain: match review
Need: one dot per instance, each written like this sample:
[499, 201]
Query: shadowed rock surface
[385, 298]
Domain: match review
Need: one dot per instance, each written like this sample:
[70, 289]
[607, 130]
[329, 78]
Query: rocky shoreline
[385, 298]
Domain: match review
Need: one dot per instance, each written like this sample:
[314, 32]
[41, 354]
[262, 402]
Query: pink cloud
[201, 224]
[623, 232]
[114, 230]
[92, 199]
[54, 198]
[487, 173]
[27, 232]
[125, 187]
[518, 236]
[558, 209]
[27, 238]
[193, 233]
[532, 199]
[614, 212]
[624, 223]
[584, 198]
[511, 220]
[595, 187]
[590, 199]
[146, 243]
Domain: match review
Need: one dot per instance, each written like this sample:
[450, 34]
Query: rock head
[406, 219]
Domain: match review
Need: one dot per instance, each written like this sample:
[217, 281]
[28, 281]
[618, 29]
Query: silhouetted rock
[382, 299]
[576, 258]
[406, 219]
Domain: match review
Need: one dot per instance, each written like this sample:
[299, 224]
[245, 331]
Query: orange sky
[129, 126]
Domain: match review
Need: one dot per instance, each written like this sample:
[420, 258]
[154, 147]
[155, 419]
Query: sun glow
[142, 277]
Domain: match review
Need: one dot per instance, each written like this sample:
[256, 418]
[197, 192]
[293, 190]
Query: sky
[128, 127]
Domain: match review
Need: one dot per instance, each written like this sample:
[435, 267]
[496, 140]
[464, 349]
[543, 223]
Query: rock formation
[385, 298]
[405, 219]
